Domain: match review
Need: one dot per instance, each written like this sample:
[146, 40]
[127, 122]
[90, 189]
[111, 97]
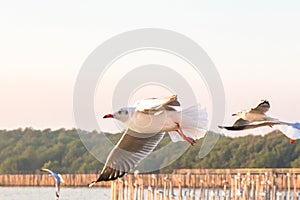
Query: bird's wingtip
[222, 127]
[92, 184]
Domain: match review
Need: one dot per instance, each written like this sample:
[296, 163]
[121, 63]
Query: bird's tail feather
[194, 121]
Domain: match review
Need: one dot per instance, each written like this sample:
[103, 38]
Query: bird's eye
[126, 112]
[119, 112]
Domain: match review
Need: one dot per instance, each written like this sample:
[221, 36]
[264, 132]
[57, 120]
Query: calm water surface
[96, 193]
[48, 193]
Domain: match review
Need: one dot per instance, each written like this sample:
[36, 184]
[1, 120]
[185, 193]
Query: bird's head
[239, 114]
[122, 115]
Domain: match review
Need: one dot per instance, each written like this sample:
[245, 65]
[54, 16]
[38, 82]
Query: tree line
[27, 150]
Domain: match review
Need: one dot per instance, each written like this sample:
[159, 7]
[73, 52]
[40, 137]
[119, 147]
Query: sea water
[48, 193]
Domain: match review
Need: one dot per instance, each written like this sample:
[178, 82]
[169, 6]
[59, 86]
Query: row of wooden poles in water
[184, 184]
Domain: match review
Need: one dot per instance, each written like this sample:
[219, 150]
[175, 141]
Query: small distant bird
[147, 123]
[58, 179]
[256, 117]
[253, 118]
[257, 113]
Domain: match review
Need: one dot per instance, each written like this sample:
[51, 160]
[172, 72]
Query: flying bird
[147, 122]
[256, 114]
[58, 179]
[253, 118]
[256, 117]
[241, 124]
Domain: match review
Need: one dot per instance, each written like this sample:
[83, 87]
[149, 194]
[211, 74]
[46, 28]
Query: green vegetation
[27, 150]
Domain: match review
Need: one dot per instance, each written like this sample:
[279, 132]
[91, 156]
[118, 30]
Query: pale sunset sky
[255, 46]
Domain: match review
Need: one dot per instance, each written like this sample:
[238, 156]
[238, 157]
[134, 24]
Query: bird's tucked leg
[191, 141]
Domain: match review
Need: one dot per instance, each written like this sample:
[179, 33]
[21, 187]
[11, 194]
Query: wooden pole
[289, 186]
[120, 189]
[193, 193]
[131, 188]
[171, 190]
[295, 186]
[213, 188]
[231, 194]
[126, 189]
[180, 188]
[267, 186]
[224, 189]
[274, 192]
[236, 188]
[113, 190]
[154, 185]
[257, 187]
[252, 188]
[165, 193]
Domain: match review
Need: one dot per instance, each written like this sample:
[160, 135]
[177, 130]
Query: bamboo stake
[294, 184]
[288, 185]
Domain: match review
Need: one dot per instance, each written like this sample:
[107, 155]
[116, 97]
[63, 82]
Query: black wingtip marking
[264, 102]
[110, 174]
[233, 128]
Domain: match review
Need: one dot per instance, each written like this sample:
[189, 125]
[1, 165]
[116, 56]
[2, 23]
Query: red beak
[108, 116]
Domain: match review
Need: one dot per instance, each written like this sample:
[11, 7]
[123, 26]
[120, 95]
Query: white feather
[290, 132]
[61, 179]
[194, 122]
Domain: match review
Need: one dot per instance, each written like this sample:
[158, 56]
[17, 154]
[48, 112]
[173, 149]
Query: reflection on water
[97, 193]
[48, 193]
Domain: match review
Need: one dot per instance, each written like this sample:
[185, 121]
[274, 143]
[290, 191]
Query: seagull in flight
[256, 114]
[58, 179]
[253, 118]
[147, 123]
[256, 117]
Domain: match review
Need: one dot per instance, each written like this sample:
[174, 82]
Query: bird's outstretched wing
[46, 170]
[292, 130]
[131, 149]
[262, 108]
[60, 178]
[153, 105]
[242, 124]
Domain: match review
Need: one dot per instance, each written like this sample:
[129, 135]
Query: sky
[254, 45]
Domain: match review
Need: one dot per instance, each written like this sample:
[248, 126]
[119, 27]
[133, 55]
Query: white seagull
[256, 117]
[253, 118]
[147, 123]
[58, 179]
[256, 114]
